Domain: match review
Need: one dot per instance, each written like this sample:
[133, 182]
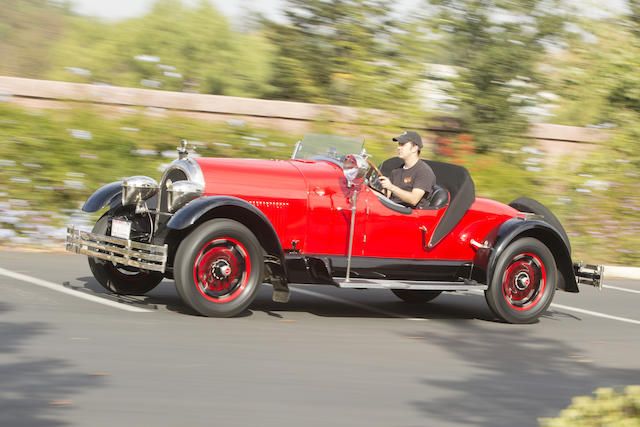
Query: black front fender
[210, 207]
[194, 210]
[104, 196]
[516, 228]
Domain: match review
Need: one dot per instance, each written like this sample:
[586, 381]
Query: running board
[408, 284]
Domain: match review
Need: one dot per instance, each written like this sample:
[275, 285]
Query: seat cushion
[439, 197]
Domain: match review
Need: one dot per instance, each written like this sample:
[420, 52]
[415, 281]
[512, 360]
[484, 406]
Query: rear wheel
[414, 296]
[118, 278]
[523, 282]
[218, 268]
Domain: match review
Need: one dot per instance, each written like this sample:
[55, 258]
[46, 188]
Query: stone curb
[618, 272]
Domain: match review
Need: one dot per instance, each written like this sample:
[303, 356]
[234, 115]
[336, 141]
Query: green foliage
[604, 64]
[607, 408]
[603, 210]
[28, 30]
[496, 46]
[347, 52]
[598, 83]
[174, 47]
[50, 162]
[597, 80]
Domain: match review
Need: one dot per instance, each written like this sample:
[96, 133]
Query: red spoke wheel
[218, 268]
[222, 269]
[523, 282]
[118, 278]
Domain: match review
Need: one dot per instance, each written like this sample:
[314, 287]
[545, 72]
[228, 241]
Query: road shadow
[34, 390]
[163, 296]
[380, 304]
[514, 376]
[319, 300]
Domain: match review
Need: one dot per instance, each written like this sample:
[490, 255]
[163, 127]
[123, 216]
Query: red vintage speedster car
[221, 227]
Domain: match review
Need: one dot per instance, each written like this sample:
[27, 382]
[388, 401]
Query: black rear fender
[210, 207]
[517, 228]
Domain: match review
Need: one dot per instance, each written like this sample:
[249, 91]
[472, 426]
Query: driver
[411, 184]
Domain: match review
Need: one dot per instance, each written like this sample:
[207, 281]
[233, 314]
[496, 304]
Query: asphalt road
[329, 357]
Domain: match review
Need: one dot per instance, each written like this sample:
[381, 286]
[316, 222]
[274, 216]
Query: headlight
[180, 193]
[138, 188]
[355, 167]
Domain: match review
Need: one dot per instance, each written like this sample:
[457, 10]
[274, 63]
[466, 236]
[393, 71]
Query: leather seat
[439, 197]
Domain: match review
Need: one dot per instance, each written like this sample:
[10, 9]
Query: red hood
[252, 178]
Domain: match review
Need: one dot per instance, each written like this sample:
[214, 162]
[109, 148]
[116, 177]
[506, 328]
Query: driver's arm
[411, 197]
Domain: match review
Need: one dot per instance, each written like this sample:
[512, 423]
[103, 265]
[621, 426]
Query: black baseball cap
[409, 136]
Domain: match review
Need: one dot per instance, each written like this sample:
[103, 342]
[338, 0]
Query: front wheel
[218, 268]
[523, 282]
[118, 278]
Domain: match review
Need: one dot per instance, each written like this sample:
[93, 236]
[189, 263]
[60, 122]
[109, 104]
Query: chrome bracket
[479, 245]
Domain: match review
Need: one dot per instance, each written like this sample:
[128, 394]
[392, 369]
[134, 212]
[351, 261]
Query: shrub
[606, 408]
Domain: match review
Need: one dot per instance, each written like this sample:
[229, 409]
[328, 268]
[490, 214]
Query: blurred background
[538, 98]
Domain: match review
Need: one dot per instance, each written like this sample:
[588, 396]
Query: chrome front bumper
[121, 251]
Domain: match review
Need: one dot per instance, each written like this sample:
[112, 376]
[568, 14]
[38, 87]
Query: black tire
[117, 278]
[523, 282]
[525, 204]
[414, 296]
[218, 268]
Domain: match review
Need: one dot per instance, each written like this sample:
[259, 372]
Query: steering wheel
[371, 177]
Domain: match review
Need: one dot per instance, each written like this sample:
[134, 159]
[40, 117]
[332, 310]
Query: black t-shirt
[420, 176]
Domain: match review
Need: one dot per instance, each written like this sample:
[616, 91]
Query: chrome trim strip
[407, 284]
[121, 251]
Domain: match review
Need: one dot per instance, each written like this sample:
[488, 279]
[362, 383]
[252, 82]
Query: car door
[329, 212]
[394, 232]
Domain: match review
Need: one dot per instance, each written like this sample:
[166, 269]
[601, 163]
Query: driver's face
[404, 150]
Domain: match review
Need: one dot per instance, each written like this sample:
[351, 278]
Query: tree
[174, 47]
[598, 82]
[348, 52]
[28, 29]
[634, 5]
[495, 45]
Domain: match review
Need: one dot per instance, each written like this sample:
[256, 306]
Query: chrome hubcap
[221, 269]
[522, 281]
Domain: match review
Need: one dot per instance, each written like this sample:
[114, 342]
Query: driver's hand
[384, 181]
